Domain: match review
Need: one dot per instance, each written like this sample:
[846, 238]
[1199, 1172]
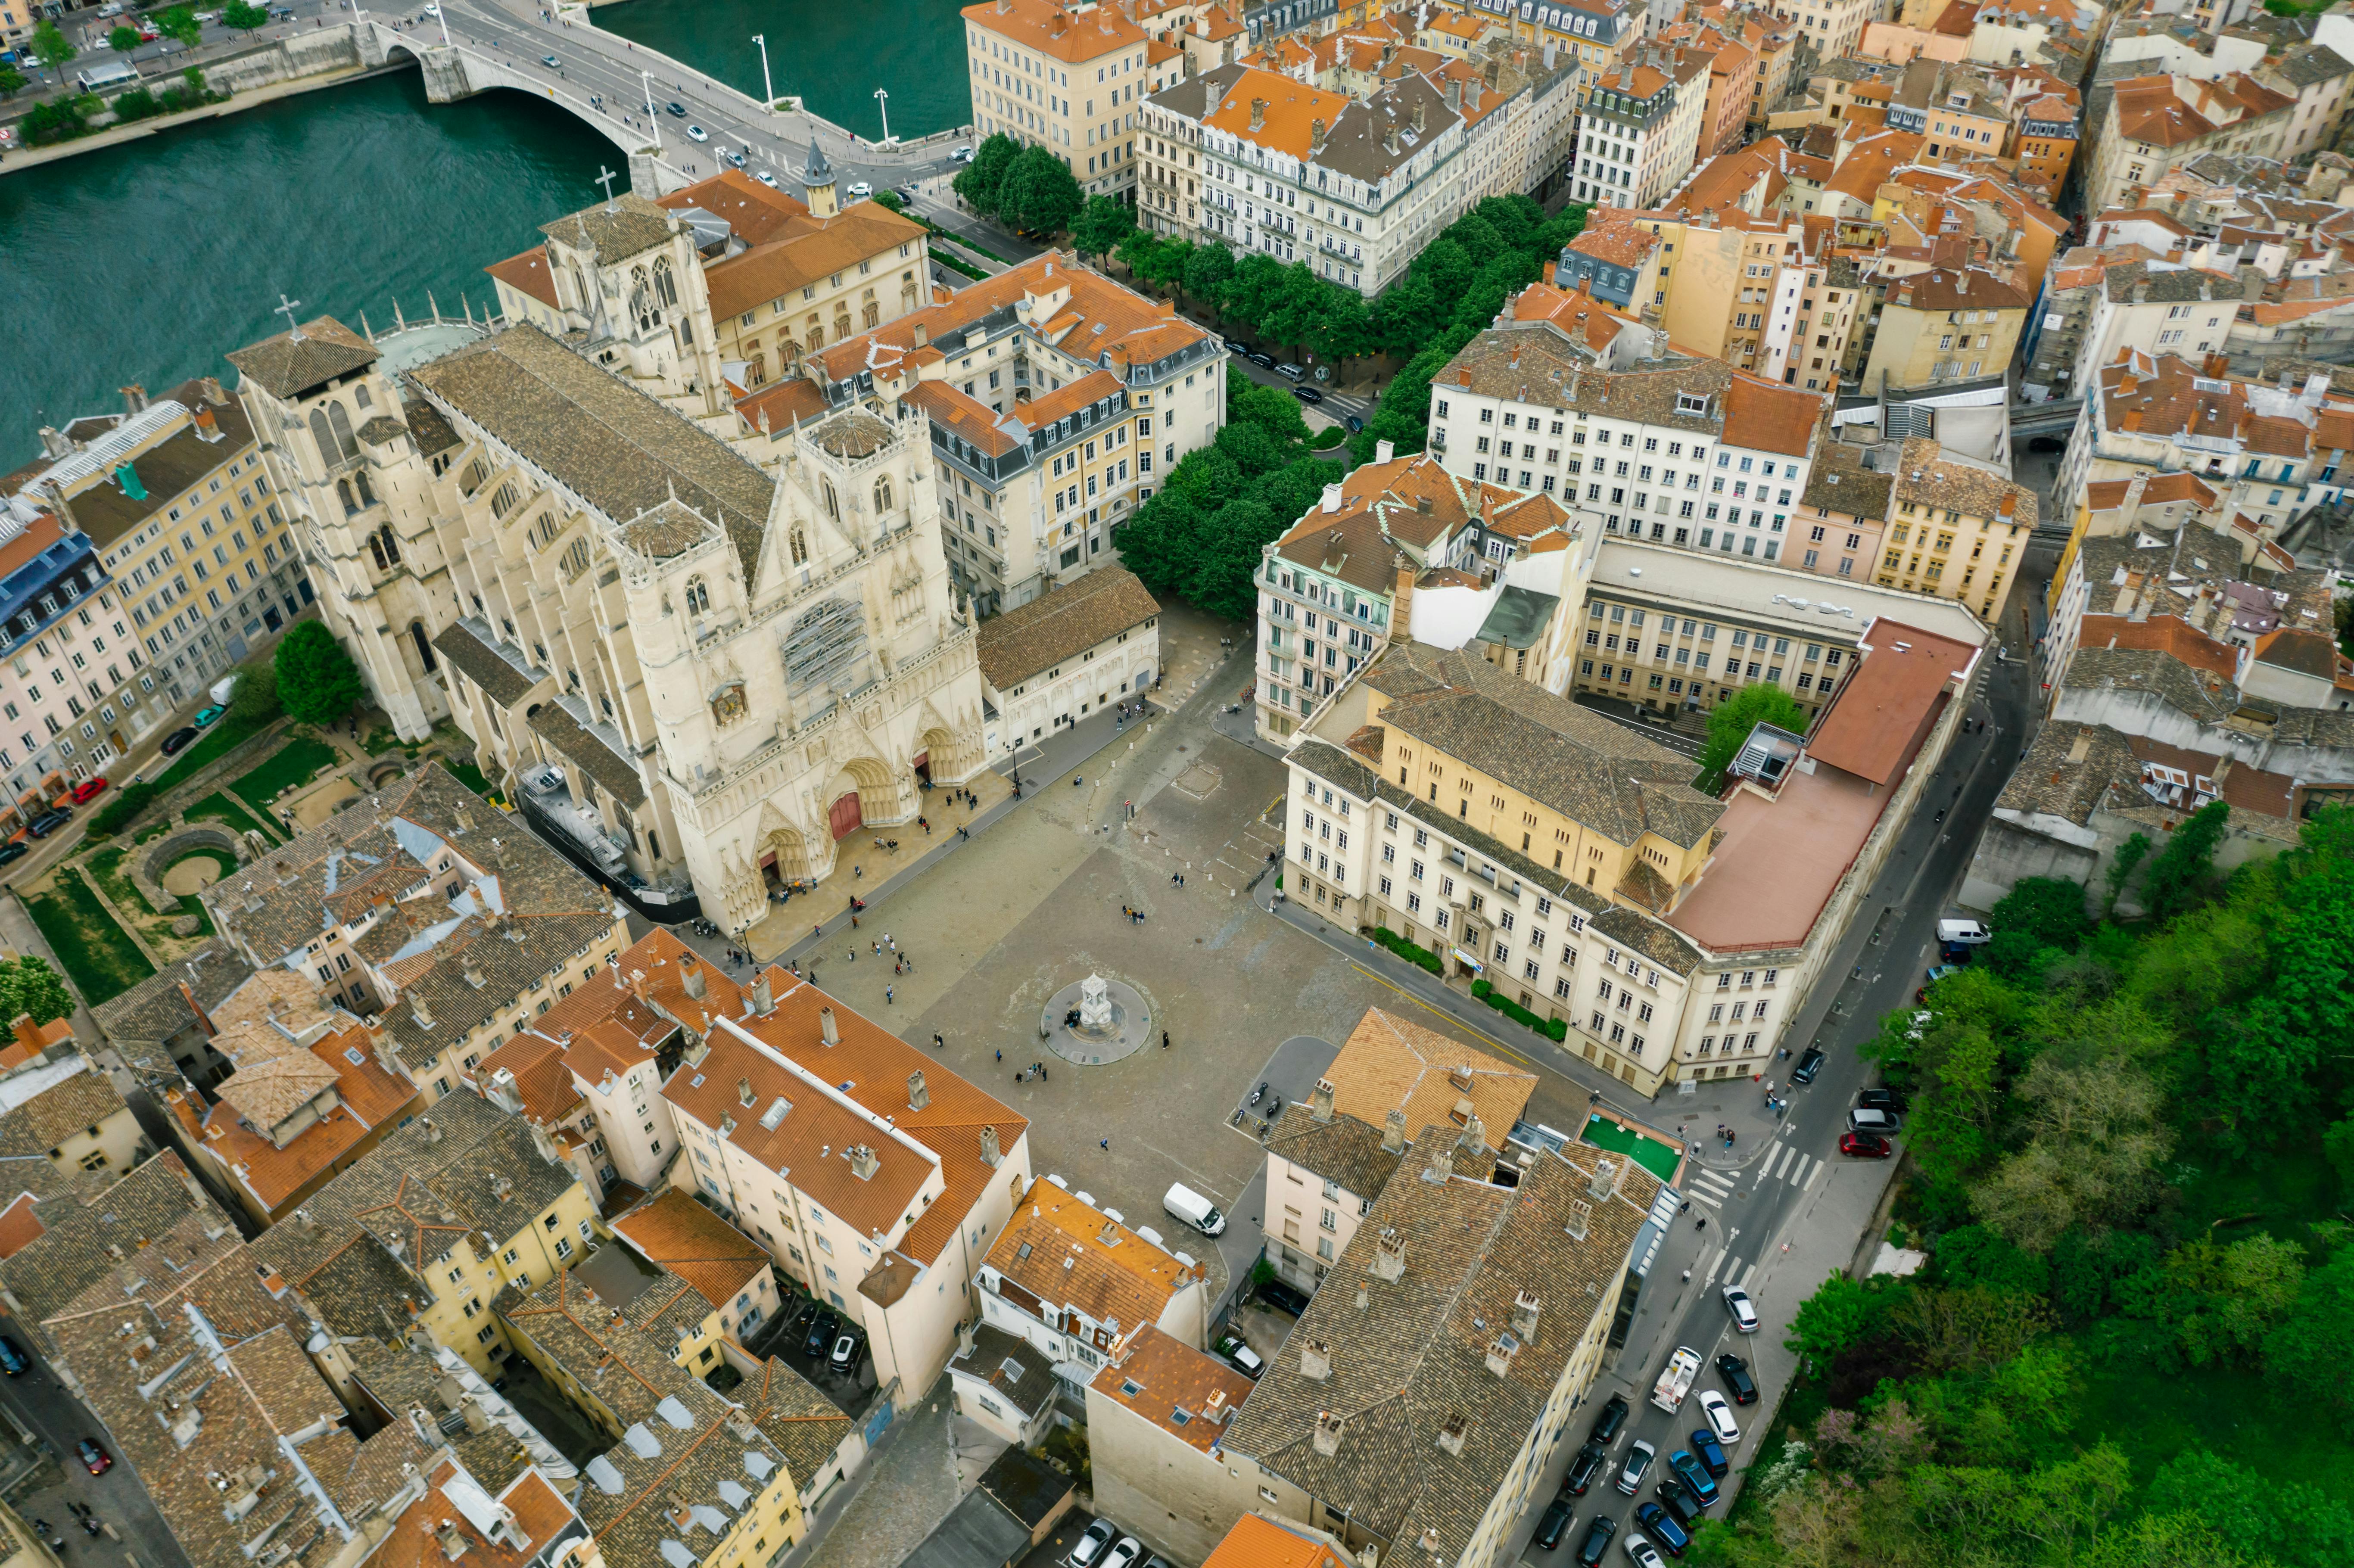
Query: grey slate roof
[1014, 1370]
[601, 438]
[287, 367]
[483, 664]
[2152, 670]
[617, 773]
[71, 1255]
[155, 1010]
[976, 1533]
[1345, 1151]
[1061, 624]
[1415, 1355]
[1518, 618]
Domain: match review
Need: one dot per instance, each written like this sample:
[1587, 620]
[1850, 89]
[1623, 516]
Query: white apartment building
[1323, 1171]
[1642, 123]
[876, 1178]
[1065, 77]
[1676, 449]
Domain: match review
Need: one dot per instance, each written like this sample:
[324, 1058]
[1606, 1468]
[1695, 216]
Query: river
[148, 261]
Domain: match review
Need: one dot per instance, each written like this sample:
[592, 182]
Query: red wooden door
[845, 815]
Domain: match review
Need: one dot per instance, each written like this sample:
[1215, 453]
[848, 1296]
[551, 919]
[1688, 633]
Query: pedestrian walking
[939, 1043]
[1104, 1144]
[1164, 1039]
[1001, 1053]
[887, 994]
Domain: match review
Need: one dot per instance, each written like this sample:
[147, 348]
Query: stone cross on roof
[286, 308]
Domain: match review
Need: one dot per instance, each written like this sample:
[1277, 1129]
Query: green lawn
[219, 807]
[227, 732]
[106, 868]
[99, 958]
[296, 763]
[470, 776]
[1660, 1158]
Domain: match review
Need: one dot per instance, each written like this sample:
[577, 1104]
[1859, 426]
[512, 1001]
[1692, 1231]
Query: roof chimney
[744, 1092]
[1393, 1132]
[1319, 1100]
[134, 399]
[1315, 136]
[919, 1096]
[1450, 1435]
[826, 1030]
[1401, 623]
[1258, 114]
[1315, 1360]
[1604, 1181]
[1500, 1355]
[691, 975]
[1389, 1255]
[863, 1163]
[1327, 1440]
[991, 1155]
[1333, 494]
[1525, 1309]
[764, 998]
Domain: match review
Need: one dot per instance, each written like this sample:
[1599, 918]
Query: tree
[122, 39]
[1974, 1328]
[254, 702]
[50, 45]
[2092, 1158]
[2338, 1147]
[316, 679]
[2128, 859]
[178, 23]
[2229, 1297]
[29, 986]
[245, 16]
[980, 181]
[12, 82]
[1207, 271]
[1730, 722]
[57, 119]
[2048, 909]
[1039, 196]
[2302, 1354]
[2303, 1010]
[1161, 543]
[888, 199]
[1102, 224]
[2299, 1524]
[1833, 1319]
[2182, 867]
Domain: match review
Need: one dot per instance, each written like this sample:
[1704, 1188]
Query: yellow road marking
[1435, 1012]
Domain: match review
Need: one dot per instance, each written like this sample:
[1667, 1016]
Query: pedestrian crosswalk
[1736, 1272]
[1710, 1188]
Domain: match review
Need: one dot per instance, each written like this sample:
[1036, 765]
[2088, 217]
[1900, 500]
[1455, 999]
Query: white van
[1962, 933]
[1194, 1208]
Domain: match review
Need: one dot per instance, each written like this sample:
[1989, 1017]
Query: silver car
[1639, 1465]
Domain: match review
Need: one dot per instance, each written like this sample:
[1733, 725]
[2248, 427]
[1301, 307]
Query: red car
[1864, 1146]
[97, 1460]
[89, 790]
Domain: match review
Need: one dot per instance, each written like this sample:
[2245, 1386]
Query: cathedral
[700, 649]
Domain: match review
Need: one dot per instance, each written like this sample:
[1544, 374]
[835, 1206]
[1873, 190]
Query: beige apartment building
[1065, 77]
[1958, 528]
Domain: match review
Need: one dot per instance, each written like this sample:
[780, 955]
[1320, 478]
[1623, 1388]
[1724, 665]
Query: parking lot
[782, 1337]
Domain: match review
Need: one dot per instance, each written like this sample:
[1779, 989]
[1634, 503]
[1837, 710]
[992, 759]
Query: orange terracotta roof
[1071, 38]
[19, 1227]
[370, 1097]
[1872, 723]
[1276, 111]
[1389, 1062]
[784, 403]
[1256, 1541]
[541, 1079]
[695, 1243]
[2167, 634]
[1069, 1253]
[757, 212]
[1188, 1393]
[527, 274]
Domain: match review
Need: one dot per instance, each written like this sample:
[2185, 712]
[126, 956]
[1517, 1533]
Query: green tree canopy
[1039, 196]
[1839, 1314]
[980, 180]
[1102, 224]
[317, 681]
[1730, 722]
[50, 45]
[245, 16]
[12, 80]
[28, 985]
[122, 39]
[178, 23]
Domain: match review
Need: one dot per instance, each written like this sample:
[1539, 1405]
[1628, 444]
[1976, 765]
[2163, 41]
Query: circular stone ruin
[166, 870]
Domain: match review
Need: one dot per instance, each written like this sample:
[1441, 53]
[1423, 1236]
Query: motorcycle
[1259, 1094]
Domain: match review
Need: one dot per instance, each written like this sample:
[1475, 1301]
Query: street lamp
[769, 101]
[647, 80]
[883, 99]
[443, 17]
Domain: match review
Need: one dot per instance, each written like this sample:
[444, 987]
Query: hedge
[1554, 1028]
[1407, 950]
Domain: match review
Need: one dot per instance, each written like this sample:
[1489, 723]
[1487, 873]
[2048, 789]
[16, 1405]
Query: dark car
[803, 1319]
[821, 1334]
[1597, 1541]
[16, 850]
[95, 1460]
[1881, 1099]
[12, 1359]
[1865, 1146]
[1264, 361]
[1608, 1423]
[1237, 345]
[1277, 1293]
[178, 740]
[48, 822]
[2046, 444]
[1737, 1381]
[1554, 1524]
[1809, 1065]
[1355, 422]
[1583, 1468]
[847, 1350]
[1663, 1528]
[1308, 394]
[677, 108]
[905, 195]
[1678, 1504]
[1711, 1451]
[1694, 1476]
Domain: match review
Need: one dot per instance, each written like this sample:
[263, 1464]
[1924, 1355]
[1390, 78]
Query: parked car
[1597, 1541]
[48, 822]
[1639, 1465]
[698, 133]
[677, 109]
[1294, 371]
[1308, 394]
[1809, 1063]
[1246, 1359]
[962, 156]
[1128, 1550]
[1881, 1099]
[1865, 1146]
[803, 1319]
[1091, 1546]
[1554, 1524]
[1737, 1381]
[1720, 1416]
[1655, 1519]
[847, 1350]
[94, 1458]
[1709, 1451]
[89, 790]
[1641, 1553]
[1679, 1503]
[1694, 1476]
[1608, 1423]
[16, 849]
[1264, 361]
[1866, 1118]
[12, 1358]
[1940, 971]
[1583, 1469]
[860, 190]
[821, 1334]
[208, 716]
[1236, 346]
[1277, 1293]
[1963, 933]
[1743, 1311]
[1356, 423]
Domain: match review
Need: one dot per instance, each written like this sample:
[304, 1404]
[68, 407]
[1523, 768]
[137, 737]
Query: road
[118, 1498]
[1752, 1203]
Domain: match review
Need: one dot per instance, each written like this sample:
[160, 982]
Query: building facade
[1065, 77]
